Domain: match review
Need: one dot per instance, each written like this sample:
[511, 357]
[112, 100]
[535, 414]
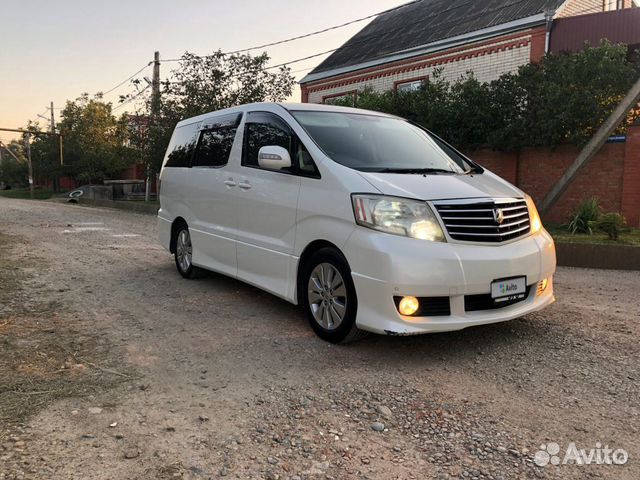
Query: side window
[304, 162]
[216, 142]
[262, 130]
[181, 146]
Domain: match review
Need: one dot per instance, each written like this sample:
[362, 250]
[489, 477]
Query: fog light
[542, 286]
[408, 306]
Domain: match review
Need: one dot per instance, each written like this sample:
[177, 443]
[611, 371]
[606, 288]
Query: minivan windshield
[372, 143]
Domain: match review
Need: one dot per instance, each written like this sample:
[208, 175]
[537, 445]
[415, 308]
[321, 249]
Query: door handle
[230, 183]
[245, 185]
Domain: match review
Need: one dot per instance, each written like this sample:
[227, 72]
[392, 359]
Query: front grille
[430, 306]
[475, 303]
[491, 221]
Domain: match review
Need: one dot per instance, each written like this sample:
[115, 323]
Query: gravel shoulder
[158, 377]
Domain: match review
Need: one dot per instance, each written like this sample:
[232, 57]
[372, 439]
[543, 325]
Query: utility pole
[53, 120]
[155, 112]
[27, 149]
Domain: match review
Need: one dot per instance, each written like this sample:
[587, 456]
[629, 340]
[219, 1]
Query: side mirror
[274, 158]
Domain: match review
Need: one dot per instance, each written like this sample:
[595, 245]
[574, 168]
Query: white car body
[256, 225]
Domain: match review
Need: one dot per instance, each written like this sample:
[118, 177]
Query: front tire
[329, 296]
[183, 253]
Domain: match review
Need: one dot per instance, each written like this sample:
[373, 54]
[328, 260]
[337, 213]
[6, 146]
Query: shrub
[563, 98]
[611, 223]
[587, 212]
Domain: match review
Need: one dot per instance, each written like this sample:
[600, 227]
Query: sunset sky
[55, 51]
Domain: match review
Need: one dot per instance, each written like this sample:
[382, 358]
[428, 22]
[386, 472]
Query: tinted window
[262, 130]
[181, 146]
[216, 142]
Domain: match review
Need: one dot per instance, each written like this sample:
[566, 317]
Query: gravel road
[162, 377]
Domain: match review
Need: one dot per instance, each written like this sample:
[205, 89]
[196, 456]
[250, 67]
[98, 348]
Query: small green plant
[610, 223]
[587, 212]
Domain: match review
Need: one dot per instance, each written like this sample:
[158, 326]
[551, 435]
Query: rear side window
[262, 130]
[182, 146]
[216, 141]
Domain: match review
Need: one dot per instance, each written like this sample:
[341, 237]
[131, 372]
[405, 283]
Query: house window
[410, 85]
[610, 5]
[344, 98]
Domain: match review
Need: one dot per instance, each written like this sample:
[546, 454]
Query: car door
[211, 196]
[267, 205]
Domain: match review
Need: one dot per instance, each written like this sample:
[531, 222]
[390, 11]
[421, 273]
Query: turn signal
[542, 286]
[408, 306]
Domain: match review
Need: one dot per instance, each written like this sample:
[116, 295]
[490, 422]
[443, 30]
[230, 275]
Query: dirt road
[114, 367]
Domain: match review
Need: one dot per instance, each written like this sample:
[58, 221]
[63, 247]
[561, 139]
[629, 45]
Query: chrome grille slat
[469, 221]
[485, 226]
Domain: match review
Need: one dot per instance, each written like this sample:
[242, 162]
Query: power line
[324, 30]
[127, 79]
[306, 35]
[131, 99]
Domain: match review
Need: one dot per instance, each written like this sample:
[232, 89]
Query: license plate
[509, 289]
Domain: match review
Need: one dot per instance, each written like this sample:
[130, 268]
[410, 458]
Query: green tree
[563, 98]
[13, 173]
[96, 142]
[205, 84]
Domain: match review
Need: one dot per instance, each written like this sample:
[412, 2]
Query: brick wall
[613, 176]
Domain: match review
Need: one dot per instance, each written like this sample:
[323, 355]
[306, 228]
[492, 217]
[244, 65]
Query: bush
[563, 98]
[611, 223]
[587, 212]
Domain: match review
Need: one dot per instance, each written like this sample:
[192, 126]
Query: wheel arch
[309, 250]
[174, 230]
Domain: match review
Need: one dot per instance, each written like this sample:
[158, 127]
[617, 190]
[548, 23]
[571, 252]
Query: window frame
[352, 93]
[208, 126]
[294, 144]
[397, 84]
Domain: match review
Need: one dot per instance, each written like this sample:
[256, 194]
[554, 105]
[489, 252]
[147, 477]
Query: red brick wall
[631, 182]
[613, 176]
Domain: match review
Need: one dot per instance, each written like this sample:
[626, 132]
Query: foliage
[206, 84]
[14, 173]
[25, 193]
[563, 98]
[610, 223]
[96, 142]
[585, 214]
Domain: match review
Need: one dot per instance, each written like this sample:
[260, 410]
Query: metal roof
[423, 22]
[618, 26]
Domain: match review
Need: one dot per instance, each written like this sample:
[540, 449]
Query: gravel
[222, 380]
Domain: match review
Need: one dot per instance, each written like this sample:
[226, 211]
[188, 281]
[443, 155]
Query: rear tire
[328, 296]
[183, 253]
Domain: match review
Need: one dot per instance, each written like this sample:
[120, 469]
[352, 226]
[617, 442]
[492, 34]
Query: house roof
[424, 22]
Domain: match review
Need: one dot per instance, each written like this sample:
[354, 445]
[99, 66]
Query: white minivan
[368, 221]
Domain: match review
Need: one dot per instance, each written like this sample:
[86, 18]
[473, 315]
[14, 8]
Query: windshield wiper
[474, 169]
[418, 171]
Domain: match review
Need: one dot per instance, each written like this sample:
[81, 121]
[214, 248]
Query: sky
[57, 50]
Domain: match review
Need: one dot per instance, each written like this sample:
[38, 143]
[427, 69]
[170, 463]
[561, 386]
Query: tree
[563, 98]
[205, 84]
[11, 172]
[96, 142]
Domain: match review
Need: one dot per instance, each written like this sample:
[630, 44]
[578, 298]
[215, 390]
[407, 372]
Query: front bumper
[384, 266]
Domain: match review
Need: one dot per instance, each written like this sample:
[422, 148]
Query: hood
[442, 187]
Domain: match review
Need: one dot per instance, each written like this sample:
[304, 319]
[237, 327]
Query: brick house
[402, 48]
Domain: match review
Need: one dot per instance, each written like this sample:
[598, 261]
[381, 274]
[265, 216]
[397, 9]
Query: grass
[631, 237]
[24, 193]
[45, 354]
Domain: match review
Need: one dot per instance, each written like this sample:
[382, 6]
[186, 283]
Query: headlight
[536, 223]
[399, 216]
